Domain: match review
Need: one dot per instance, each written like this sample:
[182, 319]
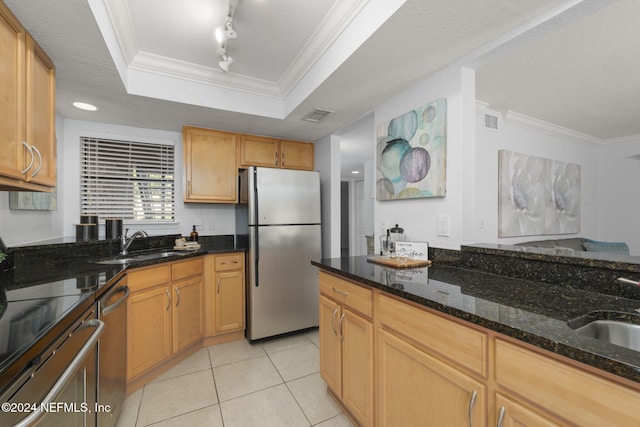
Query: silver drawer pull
[500, 417]
[229, 262]
[339, 292]
[30, 150]
[472, 402]
[340, 327]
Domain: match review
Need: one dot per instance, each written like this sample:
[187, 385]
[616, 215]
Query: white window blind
[129, 180]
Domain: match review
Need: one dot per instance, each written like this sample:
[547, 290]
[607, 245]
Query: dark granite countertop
[535, 313]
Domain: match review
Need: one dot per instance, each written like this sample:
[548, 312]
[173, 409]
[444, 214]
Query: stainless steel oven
[59, 387]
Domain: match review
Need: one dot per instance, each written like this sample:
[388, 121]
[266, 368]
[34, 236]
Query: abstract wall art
[537, 196]
[411, 154]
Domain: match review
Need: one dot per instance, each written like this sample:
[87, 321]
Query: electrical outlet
[211, 224]
[443, 225]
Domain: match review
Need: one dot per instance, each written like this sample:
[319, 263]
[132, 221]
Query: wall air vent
[490, 122]
[317, 115]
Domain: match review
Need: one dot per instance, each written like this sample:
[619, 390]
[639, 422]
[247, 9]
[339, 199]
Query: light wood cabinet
[427, 367]
[27, 88]
[165, 313]
[274, 153]
[416, 389]
[187, 320]
[148, 326]
[346, 344]
[211, 174]
[225, 294]
[566, 392]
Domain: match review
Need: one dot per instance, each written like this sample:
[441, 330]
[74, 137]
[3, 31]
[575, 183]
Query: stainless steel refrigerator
[279, 215]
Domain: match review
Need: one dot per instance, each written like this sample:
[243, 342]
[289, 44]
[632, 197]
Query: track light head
[225, 63]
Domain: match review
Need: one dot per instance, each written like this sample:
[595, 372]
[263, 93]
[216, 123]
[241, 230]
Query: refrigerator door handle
[257, 246]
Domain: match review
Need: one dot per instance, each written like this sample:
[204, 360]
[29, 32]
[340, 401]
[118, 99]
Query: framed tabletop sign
[413, 250]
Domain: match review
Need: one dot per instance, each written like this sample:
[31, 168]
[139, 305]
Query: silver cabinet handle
[333, 316]
[500, 417]
[67, 374]
[218, 284]
[178, 292]
[28, 147]
[472, 402]
[168, 299]
[340, 327]
[629, 281]
[33, 147]
[276, 158]
[229, 262]
[340, 292]
[282, 160]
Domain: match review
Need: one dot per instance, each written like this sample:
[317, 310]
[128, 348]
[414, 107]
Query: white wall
[327, 162]
[619, 203]
[418, 216]
[537, 143]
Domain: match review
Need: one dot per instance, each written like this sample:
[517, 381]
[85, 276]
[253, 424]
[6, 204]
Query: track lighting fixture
[225, 63]
[223, 34]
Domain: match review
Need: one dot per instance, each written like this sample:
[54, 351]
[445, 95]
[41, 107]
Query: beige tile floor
[273, 383]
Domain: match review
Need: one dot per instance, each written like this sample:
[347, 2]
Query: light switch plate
[443, 225]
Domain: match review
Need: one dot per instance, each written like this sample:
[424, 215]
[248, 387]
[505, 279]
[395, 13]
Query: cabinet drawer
[346, 293]
[459, 344]
[149, 277]
[187, 268]
[583, 398]
[229, 262]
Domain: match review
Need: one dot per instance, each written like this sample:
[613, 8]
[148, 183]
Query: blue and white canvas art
[411, 154]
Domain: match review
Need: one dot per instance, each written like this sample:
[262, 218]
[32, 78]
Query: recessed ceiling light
[84, 106]
[355, 172]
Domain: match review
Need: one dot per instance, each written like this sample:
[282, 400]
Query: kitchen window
[126, 179]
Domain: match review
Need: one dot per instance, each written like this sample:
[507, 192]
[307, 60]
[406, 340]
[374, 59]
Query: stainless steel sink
[140, 258]
[613, 331]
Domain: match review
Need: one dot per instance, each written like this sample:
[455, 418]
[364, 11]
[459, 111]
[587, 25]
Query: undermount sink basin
[140, 258]
[613, 331]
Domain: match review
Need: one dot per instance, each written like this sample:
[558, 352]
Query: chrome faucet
[125, 241]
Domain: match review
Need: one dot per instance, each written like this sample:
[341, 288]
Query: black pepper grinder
[194, 235]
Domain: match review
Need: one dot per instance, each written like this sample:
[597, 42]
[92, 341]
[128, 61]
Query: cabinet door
[210, 166]
[512, 414]
[187, 302]
[415, 389]
[296, 155]
[40, 122]
[357, 365]
[229, 311]
[258, 151]
[330, 346]
[148, 329]
[12, 39]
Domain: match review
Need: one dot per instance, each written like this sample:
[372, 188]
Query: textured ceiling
[153, 63]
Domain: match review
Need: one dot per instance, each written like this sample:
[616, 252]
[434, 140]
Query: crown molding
[339, 17]
[182, 70]
[524, 121]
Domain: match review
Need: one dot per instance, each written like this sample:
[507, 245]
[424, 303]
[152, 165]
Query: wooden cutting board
[399, 262]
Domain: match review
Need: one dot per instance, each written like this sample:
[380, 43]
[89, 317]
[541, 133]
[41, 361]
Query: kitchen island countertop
[532, 312]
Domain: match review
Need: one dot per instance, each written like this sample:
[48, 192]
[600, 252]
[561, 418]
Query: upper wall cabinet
[27, 125]
[210, 166]
[275, 153]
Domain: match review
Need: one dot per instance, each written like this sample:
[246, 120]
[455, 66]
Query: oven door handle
[66, 376]
[116, 289]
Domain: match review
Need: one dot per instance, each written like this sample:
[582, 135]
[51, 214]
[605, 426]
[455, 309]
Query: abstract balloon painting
[411, 154]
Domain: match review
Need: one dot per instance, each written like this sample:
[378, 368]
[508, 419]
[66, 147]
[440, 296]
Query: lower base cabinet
[164, 313]
[346, 346]
[416, 389]
[434, 370]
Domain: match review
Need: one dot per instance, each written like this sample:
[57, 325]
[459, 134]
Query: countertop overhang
[531, 312]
